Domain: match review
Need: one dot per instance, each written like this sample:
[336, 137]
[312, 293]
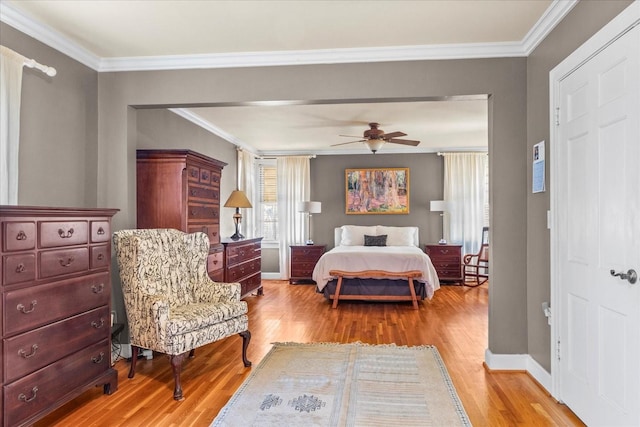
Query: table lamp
[237, 200]
[309, 208]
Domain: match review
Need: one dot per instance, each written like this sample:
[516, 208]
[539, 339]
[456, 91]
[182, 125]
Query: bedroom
[517, 325]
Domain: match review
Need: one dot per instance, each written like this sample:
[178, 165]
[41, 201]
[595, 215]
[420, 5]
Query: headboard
[337, 234]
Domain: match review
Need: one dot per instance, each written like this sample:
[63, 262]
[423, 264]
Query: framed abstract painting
[377, 191]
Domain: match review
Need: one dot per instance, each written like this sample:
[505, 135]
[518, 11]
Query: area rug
[356, 384]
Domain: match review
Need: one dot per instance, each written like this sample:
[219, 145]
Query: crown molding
[315, 57]
[547, 22]
[210, 127]
[45, 34]
[25, 23]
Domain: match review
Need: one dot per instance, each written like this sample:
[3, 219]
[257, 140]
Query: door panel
[598, 230]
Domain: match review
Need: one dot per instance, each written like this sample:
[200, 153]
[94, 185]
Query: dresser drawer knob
[20, 268]
[98, 359]
[66, 262]
[100, 231]
[98, 325]
[97, 289]
[100, 257]
[23, 398]
[21, 308]
[65, 235]
[26, 355]
[21, 235]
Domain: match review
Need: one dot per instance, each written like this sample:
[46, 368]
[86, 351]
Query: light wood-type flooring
[455, 320]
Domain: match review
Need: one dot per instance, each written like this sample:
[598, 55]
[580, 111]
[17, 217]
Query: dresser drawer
[240, 271]
[211, 230]
[19, 236]
[203, 212]
[18, 268]
[64, 261]
[250, 284]
[53, 234]
[100, 231]
[302, 269]
[202, 193]
[193, 173]
[32, 307]
[304, 254]
[214, 262]
[36, 392]
[238, 254]
[35, 349]
[100, 256]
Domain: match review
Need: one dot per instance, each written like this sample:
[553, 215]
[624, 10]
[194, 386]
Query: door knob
[630, 275]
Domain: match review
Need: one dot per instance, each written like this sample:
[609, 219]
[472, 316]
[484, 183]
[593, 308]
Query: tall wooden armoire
[181, 189]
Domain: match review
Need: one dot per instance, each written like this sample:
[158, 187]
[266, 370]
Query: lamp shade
[237, 199]
[310, 207]
[438, 206]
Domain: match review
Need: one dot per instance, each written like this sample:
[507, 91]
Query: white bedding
[388, 258]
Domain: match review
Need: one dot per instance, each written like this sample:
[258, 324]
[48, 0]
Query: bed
[361, 256]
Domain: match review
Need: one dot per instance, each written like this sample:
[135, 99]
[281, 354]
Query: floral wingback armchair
[172, 305]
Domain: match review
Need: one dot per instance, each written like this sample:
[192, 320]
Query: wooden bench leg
[336, 296]
[412, 289]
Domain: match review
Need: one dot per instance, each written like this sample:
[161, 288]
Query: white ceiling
[163, 34]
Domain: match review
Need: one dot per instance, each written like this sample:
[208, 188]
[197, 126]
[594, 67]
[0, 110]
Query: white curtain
[465, 193]
[293, 187]
[11, 64]
[247, 183]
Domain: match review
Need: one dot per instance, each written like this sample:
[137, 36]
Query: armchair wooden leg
[192, 353]
[246, 337]
[176, 365]
[134, 359]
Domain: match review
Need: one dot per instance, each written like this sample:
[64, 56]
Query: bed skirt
[357, 286]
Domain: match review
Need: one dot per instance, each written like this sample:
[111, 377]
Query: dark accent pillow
[375, 240]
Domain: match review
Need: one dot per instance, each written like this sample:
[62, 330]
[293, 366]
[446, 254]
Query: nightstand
[447, 260]
[303, 261]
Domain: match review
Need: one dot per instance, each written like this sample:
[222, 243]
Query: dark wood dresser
[303, 261]
[181, 189]
[447, 260]
[242, 263]
[56, 314]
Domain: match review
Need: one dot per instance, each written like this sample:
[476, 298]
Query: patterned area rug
[346, 385]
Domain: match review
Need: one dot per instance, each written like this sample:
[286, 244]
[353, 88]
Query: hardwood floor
[455, 320]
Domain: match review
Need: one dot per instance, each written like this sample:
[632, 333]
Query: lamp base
[442, 242]
[309, 242]
[237, 236]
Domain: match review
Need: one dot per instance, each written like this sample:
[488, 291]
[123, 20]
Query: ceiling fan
[375, 138]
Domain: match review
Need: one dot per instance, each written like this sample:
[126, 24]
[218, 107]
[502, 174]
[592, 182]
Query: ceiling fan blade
[388, 136]
[351, 136]
[350, 142]
[404, 142]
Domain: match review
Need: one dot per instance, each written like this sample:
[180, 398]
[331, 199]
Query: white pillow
[398, 236]
[353, 235]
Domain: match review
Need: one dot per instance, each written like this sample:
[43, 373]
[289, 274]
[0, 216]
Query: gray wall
[61, 165]
[584, 20]
[328, 187]
[58, 127]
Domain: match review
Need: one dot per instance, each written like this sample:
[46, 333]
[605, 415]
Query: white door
[597, 232]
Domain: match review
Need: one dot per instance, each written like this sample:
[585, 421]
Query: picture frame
[379, 191]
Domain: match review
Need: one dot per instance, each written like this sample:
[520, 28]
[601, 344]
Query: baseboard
[518, 362]
[271, 276]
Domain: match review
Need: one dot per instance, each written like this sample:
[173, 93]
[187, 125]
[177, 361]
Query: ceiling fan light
[375, 144]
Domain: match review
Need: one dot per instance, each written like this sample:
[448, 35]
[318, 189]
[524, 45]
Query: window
[267, 213]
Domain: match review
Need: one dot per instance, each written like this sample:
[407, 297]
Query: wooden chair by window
[475, 267]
